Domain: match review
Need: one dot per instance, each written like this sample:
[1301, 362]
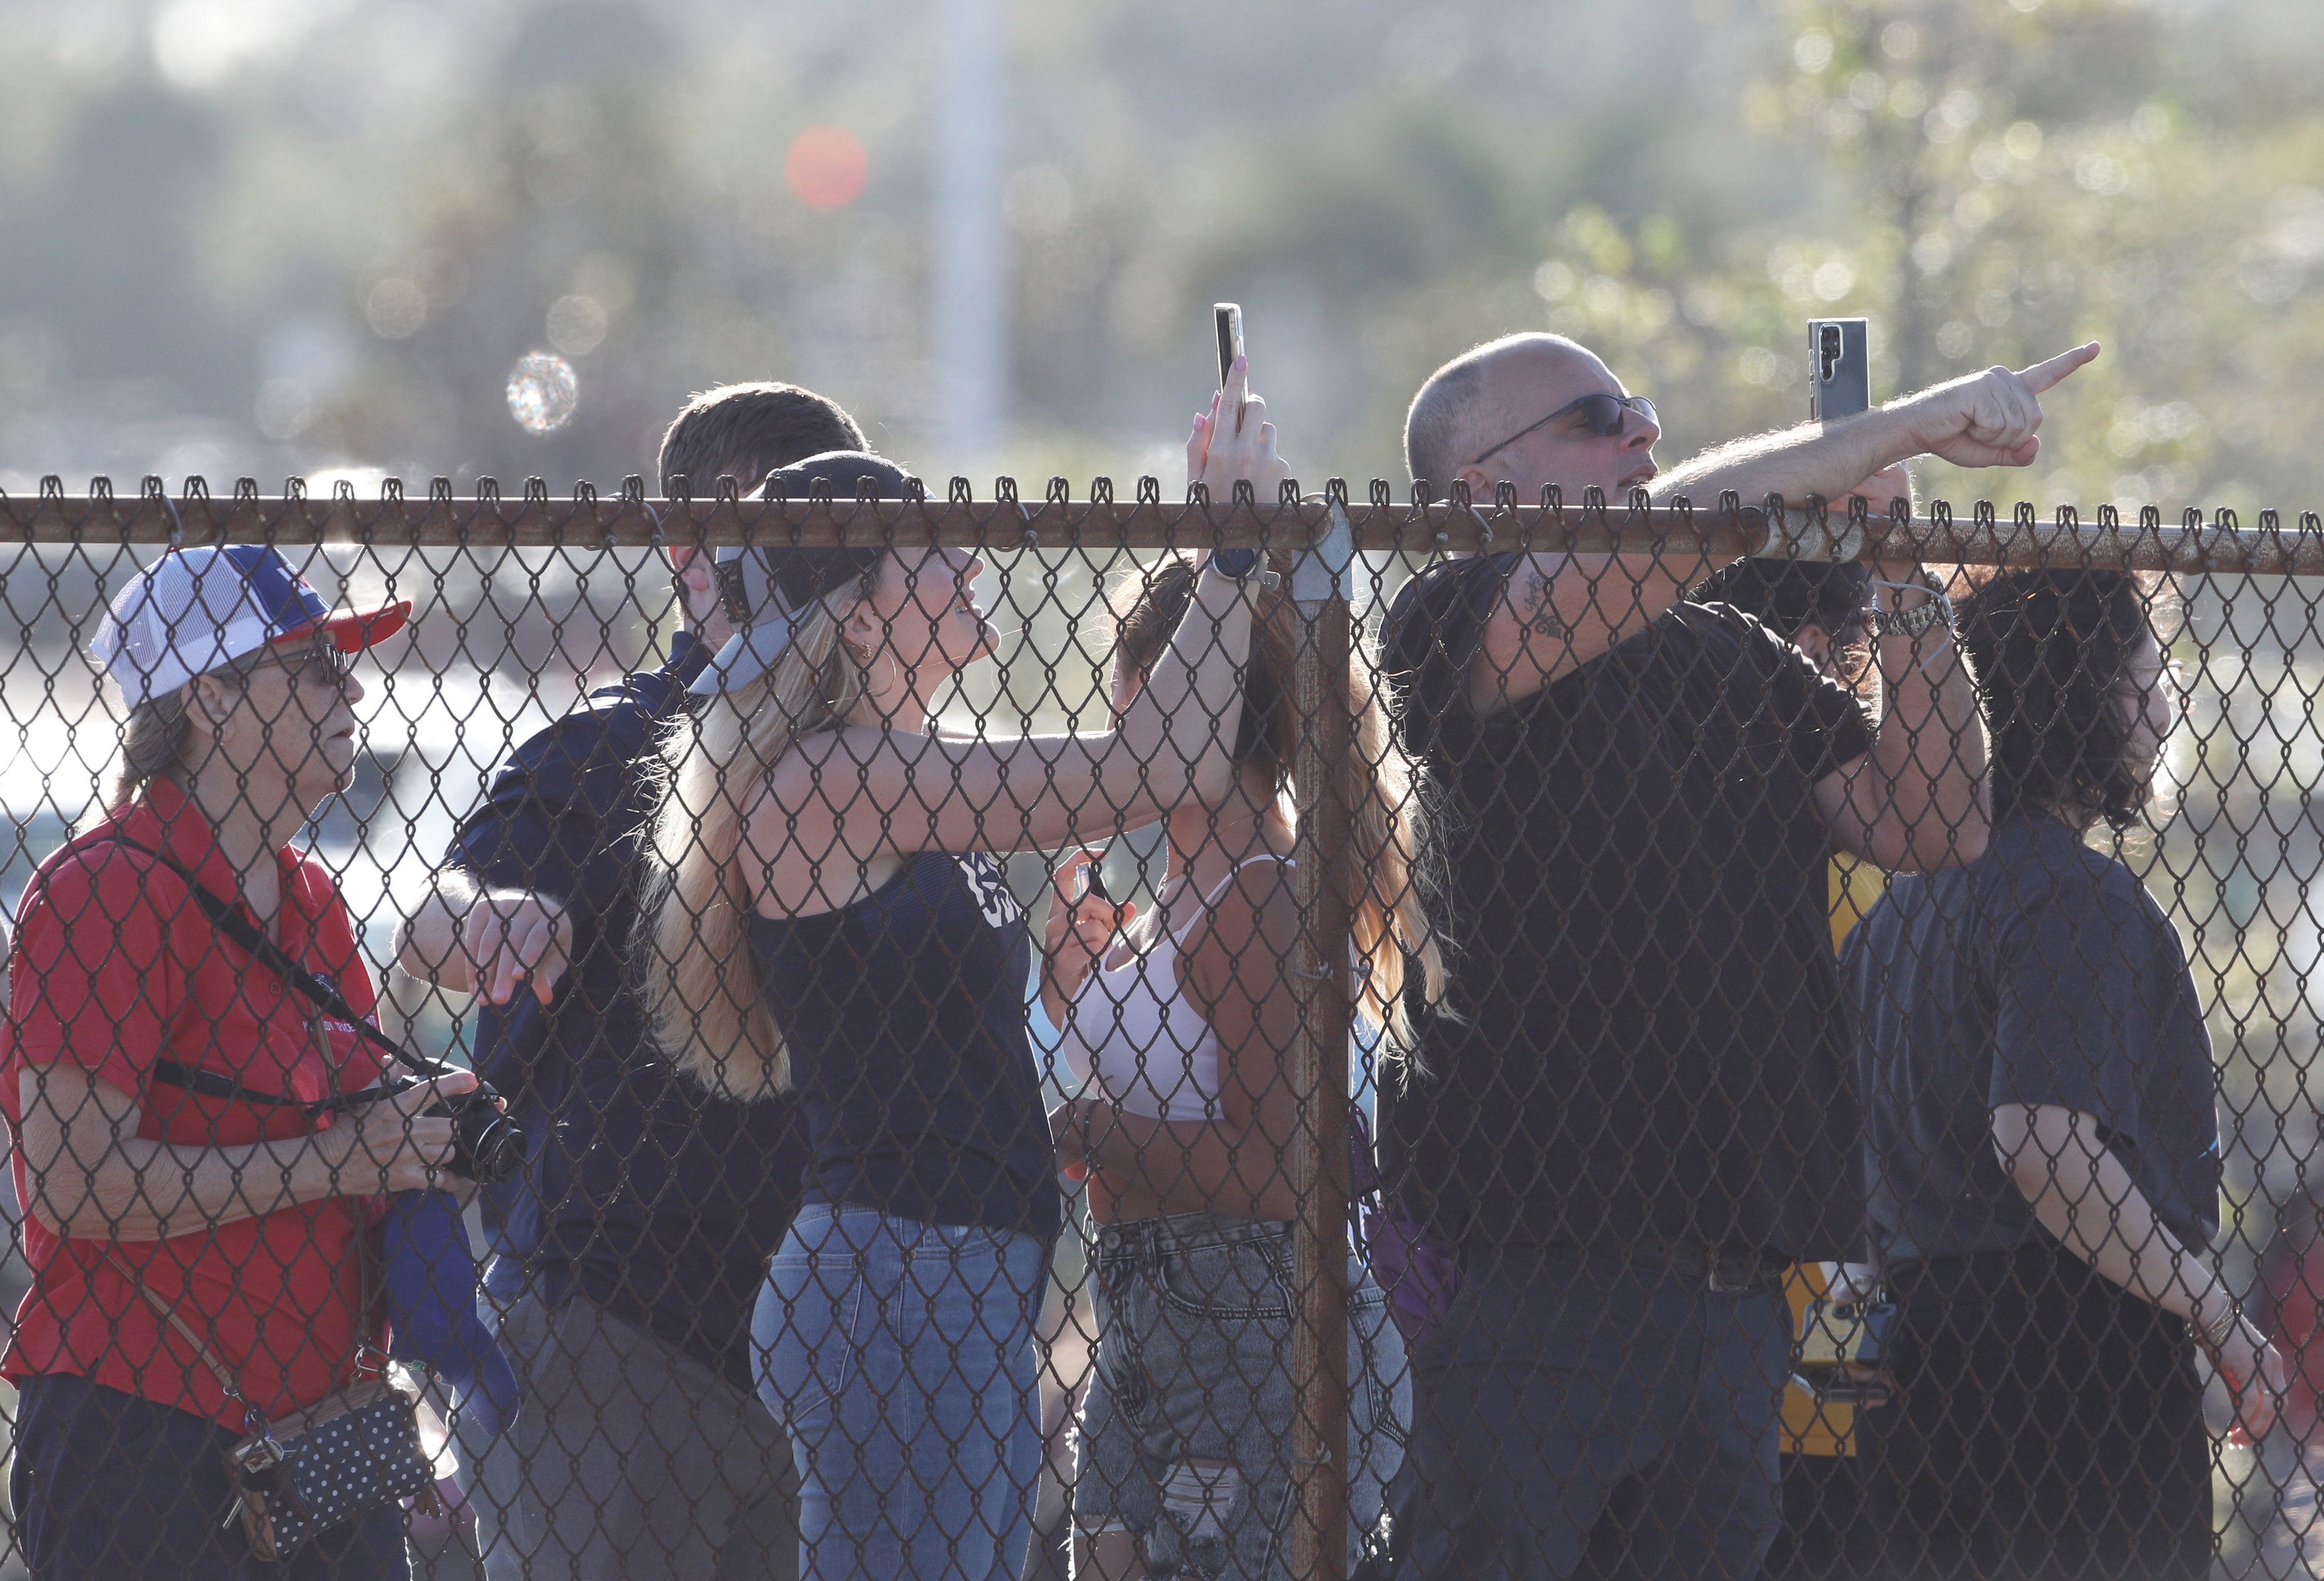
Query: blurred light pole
[971, 338]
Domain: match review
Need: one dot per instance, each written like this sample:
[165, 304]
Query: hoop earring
[895, 671]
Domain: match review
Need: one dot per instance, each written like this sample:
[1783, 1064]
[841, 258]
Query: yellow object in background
[1810, 1429]
[1854, 886]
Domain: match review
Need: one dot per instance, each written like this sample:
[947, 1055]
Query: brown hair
[1381, 868]
[2052, 651]
[158, 732]
[745, 431]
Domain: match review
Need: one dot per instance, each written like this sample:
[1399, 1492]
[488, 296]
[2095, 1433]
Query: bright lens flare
[826, 167]
[543, 392]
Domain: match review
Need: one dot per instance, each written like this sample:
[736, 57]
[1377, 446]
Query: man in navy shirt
[632, 1251]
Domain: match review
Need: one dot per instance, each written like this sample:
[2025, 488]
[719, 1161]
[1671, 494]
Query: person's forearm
[430, 946]
[1928, 759]
[2081, 1194]
[1827, 459]
[1185, 712]
[1052, 1000]
[140, 1190]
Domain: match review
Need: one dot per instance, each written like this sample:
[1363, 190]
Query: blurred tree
[2012, 177]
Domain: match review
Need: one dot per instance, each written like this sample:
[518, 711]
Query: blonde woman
[1183, 1034]
[833, 923]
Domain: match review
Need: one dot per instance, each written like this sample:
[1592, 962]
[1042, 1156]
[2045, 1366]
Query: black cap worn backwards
[766, 589]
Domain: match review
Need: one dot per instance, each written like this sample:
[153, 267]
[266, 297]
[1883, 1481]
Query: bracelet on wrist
[1914, 622]
[2214, 1333]
[1934, 609]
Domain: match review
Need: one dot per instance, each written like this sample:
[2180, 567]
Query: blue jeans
[900, 1355]
[110, 1487]
[1577, 1407]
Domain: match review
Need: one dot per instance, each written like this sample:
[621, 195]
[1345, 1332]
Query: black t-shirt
[2041, 973]
[1643, 1042]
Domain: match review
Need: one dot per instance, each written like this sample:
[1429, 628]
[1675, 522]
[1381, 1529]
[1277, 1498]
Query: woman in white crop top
[1180, 1027]
[1133, 1035]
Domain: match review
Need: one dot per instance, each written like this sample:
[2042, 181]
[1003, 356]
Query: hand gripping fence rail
[1500, 1040]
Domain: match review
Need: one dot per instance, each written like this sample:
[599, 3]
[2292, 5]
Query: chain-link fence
[1478, 1040]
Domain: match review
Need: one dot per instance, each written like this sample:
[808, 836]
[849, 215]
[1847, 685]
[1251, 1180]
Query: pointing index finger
[2043, 376]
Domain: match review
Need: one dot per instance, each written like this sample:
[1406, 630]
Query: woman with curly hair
[2039, 1100]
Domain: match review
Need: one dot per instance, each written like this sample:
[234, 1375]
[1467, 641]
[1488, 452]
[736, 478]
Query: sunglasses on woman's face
[322, 664]
[1604, 415]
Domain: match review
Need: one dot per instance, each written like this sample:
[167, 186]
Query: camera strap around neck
[236, 923]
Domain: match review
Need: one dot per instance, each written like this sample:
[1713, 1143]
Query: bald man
[1632, 1110]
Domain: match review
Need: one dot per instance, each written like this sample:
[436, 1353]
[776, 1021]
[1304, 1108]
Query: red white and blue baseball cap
[194, 610]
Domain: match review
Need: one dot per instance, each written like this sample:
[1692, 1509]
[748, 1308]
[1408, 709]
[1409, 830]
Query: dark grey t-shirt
[2041, 973]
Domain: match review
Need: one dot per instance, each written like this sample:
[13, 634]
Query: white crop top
[1134, 1031]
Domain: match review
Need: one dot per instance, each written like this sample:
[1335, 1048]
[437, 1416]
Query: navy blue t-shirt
[654, 1201]
[2042, 973]
[904, 1014]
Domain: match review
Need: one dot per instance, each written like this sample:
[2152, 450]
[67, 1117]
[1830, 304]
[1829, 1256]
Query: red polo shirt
[115, 968]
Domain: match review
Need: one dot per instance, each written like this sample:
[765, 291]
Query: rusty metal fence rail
[1248, 1127]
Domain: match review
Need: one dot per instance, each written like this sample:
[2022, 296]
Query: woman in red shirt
[246, 1220]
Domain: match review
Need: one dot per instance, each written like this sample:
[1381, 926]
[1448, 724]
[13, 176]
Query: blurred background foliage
[320, 237]
[269, 236]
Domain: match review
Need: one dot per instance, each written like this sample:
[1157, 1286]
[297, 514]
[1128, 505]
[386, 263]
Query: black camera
[487, 1146]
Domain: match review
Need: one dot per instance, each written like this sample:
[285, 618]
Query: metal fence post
[1320, 589]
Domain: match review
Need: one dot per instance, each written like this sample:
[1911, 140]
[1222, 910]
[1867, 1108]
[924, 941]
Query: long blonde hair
[1380, 870]
[701, 989]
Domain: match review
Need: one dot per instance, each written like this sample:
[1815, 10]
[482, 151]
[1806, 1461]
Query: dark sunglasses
[323, 663]
[1605, 415]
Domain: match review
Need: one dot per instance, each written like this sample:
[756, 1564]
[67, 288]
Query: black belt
[1718, 1268]
[1726, 1270]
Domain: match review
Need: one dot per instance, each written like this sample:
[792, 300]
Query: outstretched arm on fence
[2083, 1195]
[1991, 418]
[867, 794]
[859, 794]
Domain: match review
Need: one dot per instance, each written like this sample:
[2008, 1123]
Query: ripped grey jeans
[1186, 1437]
